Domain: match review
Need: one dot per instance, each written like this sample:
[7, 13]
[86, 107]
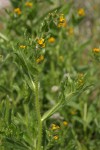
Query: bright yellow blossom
[17, 11]
[54, 127]
[29, 4]
[41, 58]
[41, 42]
[62, 21]
[56, 137]
[64, 24]
[43, 45]
[61, 18]
[65, 123]
[96, 50]
[81, 12]
[51, 40]
[22, 46]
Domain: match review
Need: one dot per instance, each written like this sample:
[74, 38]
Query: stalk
[37, 107]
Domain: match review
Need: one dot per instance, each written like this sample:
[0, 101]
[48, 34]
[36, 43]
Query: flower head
[81, 12]
[96, 50]
[29, 4]
[56, 137]
[41, 42]
[62, 21]
[54, 127]
[17, 11]
[65, 123]
[41, 58]
[22, 46]
[51, 40]
[61, 18]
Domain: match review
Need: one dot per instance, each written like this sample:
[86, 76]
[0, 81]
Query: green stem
[3, 37]
[37, 105]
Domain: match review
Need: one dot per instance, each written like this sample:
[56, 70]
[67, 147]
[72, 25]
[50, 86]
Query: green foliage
[49, 89]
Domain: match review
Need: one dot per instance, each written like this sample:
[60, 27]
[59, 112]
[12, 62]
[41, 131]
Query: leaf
[26, 64]
[83, 45]
[3, 37]
[45, 15]
[28, 70]
[66, 8]
[22, 63]
[9, 142]
[65, 99]
[4, 89]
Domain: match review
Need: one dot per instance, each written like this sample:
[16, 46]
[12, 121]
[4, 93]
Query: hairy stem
[37, 105]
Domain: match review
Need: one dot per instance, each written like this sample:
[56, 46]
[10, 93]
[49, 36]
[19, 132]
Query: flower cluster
[41, 58]
[65, 123]
[28, 4]
[96, 50]
[55, 128]
[41, 42]
[62, 21]
[81, 12]
[56, 137]
[22, 46]
[51, 40]
[17, 11]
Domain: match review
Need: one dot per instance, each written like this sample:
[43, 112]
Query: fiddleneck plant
[31, 66]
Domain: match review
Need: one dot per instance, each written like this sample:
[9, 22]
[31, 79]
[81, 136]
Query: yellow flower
[64, 24]
[62, 21]
[81, 12]
[38, 60]
[17, 11]
[41, 42]
[29, 4]
[54, 127]
[56, 137]
[65, 123]
[41, 58]
[96, 50]
[61, 18]
[43, 45]
[51, 40]
[22, 46]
